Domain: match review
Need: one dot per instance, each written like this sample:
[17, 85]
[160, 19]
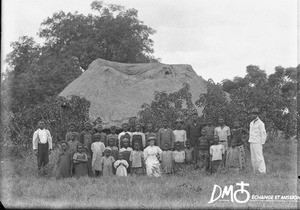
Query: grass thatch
[117, 90]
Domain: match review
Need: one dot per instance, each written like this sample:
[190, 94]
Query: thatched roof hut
[117, 90]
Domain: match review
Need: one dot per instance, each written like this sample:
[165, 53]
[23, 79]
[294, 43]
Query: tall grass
[22, 187]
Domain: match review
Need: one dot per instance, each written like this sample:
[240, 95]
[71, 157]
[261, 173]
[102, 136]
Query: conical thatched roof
[117, 90]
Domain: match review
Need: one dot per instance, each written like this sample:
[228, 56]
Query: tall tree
[115, 34]
[274, 95]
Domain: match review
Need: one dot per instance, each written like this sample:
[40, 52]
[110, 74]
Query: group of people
[207, 148]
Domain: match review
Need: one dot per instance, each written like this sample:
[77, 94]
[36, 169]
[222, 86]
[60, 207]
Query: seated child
[217, 154]
[121, 166]
[136, 160]
[80, 162]
[166, 159]
[203, 153]
[126, 151]
[98, 150]
[107, 163]
[63, 164]
[179, 158]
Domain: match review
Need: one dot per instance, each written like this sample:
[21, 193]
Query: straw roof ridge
[117, 90]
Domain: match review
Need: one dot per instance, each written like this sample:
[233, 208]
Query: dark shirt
[193, 132]
[237, 137]
[204, 143]
[86, 139]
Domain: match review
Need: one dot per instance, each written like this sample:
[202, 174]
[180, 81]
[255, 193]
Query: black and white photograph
[150, 104]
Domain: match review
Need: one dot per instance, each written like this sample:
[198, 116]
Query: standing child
[179, 159]
[138, 136]
[63, 164]
[86, 138]
[217, 154]
[190, 158]
[223, 132]
[113, 135]
[121, 135]
[103, 136]
[238, 157]
[166, 159]
[179, 133]
[72, 143]
[126, 151]
[121, 165]
[72, 130]
[98, 150]
[80, 160]
[114, 149]
[107, 162]
[210, 131]
[165, 135]
[203, 151]
[136, 160]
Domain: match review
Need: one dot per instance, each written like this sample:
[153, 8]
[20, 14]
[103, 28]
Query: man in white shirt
[257, 138]
[42, 144]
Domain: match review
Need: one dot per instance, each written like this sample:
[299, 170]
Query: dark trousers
[42, 157]
[98, 173]
[215, 164]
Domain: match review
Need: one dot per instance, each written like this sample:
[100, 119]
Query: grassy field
[21, 187]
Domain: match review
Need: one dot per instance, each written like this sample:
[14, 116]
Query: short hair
[64, 142]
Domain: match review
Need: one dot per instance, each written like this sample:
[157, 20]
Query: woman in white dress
[151, 156]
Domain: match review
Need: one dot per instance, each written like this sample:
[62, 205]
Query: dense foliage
[274, 95]
[36, 74]
[57, 112]
[168, 106]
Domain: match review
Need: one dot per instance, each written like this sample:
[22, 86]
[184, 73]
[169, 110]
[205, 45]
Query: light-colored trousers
[257, 158]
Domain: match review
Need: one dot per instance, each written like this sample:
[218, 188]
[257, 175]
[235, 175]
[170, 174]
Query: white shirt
[222, 133]
[216, 151]
[128, 149]
[41, 136]
[179, 156]
[97, 149]
[180, 135]
[257, 132]
[151, 151]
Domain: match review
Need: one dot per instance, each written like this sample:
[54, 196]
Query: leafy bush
[57, 112]
[168, 106]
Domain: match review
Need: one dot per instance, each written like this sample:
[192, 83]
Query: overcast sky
[219, 38]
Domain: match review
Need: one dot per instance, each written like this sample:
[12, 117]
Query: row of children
[196, 147]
